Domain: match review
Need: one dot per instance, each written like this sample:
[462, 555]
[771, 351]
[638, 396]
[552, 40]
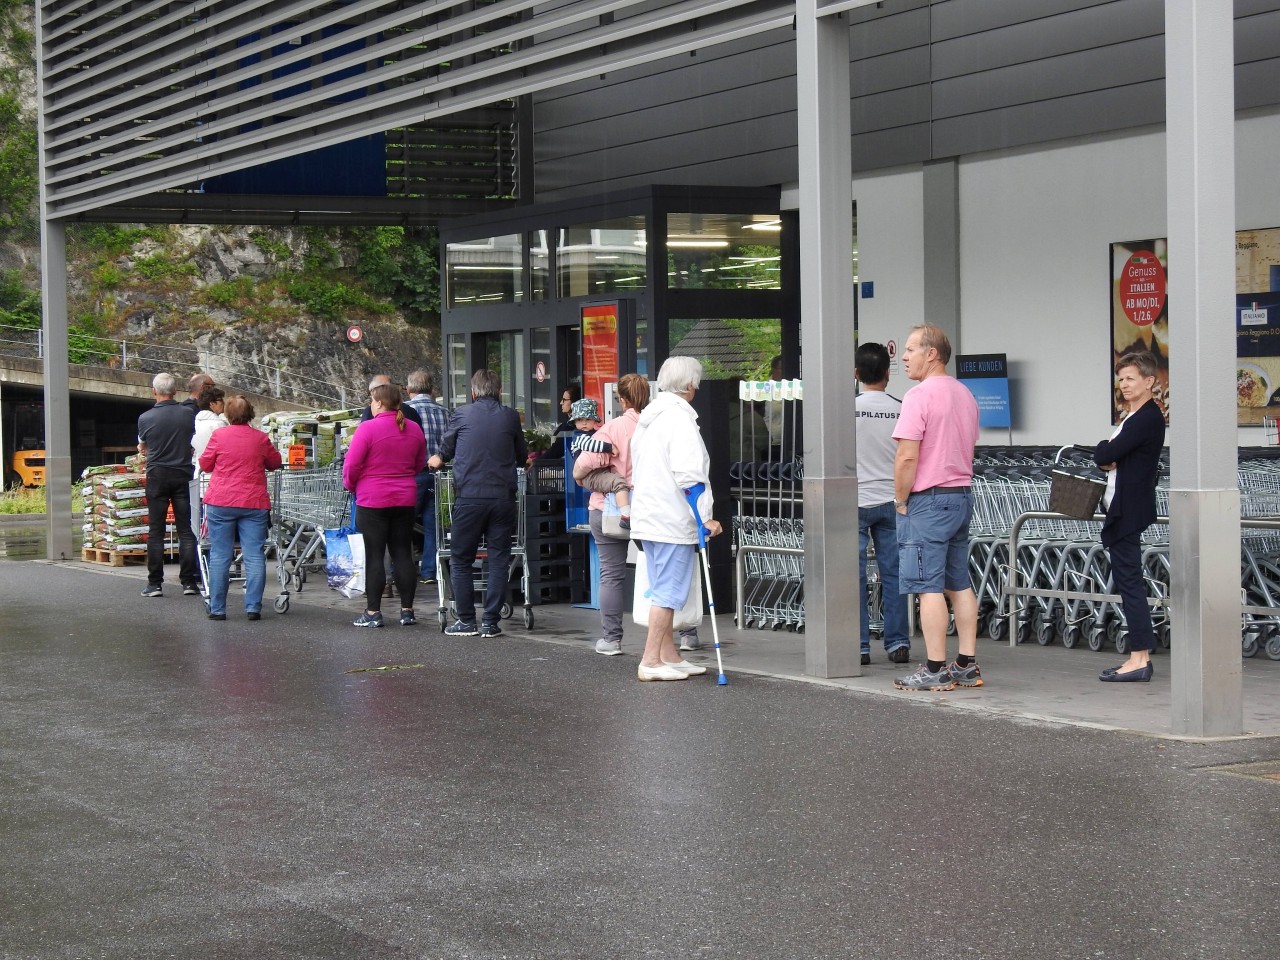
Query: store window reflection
[488, 270]
[728, 348]
[724, 251]
[601, 257]
[459, 377]
[504, 352]
[539, 265]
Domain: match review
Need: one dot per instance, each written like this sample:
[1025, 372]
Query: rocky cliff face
[266, 309]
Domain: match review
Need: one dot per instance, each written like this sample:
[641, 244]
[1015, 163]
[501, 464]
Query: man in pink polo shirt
[932, 485]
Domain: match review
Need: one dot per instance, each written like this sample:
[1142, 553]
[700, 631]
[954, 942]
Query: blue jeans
[880, 524]
[225, 525]
[427, 513]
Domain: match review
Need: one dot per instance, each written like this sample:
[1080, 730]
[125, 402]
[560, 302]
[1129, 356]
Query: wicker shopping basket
[1075, 495]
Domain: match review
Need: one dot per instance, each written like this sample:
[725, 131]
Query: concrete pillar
[57, 393]
[1204, 497]
[942, 247]
[827, 344]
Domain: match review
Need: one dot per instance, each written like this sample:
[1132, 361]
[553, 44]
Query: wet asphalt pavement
[174, 787]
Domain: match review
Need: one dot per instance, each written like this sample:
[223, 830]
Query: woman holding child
[602, 472]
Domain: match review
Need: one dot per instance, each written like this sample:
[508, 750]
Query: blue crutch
[691, 495]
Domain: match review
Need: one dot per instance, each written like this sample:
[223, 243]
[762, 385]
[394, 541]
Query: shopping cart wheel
[1273, 648]
[996, 626]
[1045, 632]
[528, 618]
[1162, 635]
[442, 615]
[1249, 645]
[282, 604]
[1097, 639]
[299, 578]
[506, 611]
[1070, 637]
[1118, 635]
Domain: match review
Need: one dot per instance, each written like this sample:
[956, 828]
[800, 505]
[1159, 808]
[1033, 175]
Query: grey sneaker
[368, 619]
[922, 679]
[969, 676]
[689, 642]
[462, 629]
[152, 590]
[609, 648]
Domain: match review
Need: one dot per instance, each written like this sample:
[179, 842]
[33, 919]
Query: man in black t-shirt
[164, 437]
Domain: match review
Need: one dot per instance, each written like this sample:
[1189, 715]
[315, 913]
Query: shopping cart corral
[480, 568]
[307, 503]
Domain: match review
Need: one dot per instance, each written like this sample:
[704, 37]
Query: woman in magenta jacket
[381, 469]
[237, 504]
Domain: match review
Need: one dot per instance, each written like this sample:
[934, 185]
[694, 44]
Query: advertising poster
[1257, 325]
[987, 377]
[1140, 317]
[599, 349]
[1140, 310]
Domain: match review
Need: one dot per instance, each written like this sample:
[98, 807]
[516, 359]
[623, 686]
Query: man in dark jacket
[486, 444]
[164, 437]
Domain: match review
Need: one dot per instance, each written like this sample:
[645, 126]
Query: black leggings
[387, 528]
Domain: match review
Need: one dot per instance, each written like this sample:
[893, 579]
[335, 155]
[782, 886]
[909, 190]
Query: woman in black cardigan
[1132, 461]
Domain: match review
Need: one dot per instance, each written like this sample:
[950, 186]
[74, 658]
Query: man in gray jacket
[486, 445]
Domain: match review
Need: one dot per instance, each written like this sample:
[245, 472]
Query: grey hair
[679, 374]
[378, 380]
[486, 383]
[420, 382]
[164, 385]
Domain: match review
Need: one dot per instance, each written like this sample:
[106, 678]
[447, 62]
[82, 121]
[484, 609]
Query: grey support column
[57, 393]
[53, 296]
[942, 247]
[827, 346]
[1204, 498]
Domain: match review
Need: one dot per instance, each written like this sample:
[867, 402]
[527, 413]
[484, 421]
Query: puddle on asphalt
[26, 543]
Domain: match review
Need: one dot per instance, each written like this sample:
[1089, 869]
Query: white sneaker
[687, 668]
[662, 671]
[609, 648]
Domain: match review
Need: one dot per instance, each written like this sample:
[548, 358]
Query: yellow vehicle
[28, 466]
[28, 444]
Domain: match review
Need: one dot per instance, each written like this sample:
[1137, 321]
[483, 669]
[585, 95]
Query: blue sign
[987, 377]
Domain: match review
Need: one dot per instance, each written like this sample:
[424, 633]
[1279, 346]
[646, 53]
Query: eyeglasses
[566, 399]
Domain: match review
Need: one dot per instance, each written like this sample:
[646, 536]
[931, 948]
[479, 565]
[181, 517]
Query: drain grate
[1258, 770]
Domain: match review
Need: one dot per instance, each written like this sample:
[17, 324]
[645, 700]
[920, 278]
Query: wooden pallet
[114, 558]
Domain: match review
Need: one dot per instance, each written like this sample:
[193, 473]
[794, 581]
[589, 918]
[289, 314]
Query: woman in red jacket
[237, 505]
[381, 469]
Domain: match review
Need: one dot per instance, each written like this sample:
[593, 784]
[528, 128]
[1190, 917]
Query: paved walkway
[174, 787]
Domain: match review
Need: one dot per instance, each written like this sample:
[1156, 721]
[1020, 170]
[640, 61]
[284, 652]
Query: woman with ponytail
[381, 471]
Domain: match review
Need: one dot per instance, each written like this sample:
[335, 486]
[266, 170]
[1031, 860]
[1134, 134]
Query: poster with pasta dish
[1140, 318]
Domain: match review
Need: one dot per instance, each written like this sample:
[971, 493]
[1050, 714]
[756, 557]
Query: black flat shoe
[1113, 670]
[1141, 675]
[254, 615]
[217, 616]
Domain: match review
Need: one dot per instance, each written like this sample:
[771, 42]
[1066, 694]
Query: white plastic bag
[687, 618]
[354, 586]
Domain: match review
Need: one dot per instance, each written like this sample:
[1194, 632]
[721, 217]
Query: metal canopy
[146, 96]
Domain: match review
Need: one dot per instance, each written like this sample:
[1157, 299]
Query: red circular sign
[540, 371]
[354, 334]
[892, 347]
[1142, 288]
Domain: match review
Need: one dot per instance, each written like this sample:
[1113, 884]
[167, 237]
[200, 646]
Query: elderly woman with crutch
[668, 457]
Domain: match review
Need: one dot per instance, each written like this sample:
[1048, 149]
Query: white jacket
[667, 458]
[206, 422]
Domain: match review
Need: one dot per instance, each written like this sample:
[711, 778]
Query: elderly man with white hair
[668, 458]
[164, 436]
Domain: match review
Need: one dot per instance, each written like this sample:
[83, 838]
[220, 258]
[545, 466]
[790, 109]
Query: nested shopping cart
[480, 568]
[307, 503]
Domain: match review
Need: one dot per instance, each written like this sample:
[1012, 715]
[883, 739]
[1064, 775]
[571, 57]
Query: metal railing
[143, 357]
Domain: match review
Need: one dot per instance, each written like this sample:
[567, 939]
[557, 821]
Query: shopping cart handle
[691, 496]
